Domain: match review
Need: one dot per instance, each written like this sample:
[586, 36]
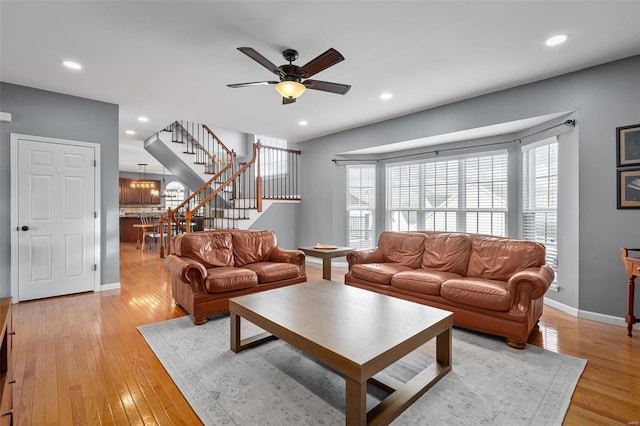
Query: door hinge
[95, 163]
[95, 215]
[95, 266]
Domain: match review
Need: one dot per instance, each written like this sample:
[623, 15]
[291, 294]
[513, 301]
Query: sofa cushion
[380, 273]
[209, 248]
[252, 247]
[228, 278]
[424, 281]
[269, 272]
[479, 292]
[447, 252]
[498, 258]
[402, 247]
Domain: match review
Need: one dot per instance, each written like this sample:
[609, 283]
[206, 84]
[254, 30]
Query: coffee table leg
[356, 402]
[235, 332]
[237, 343]
[326, 268]
[444, 343]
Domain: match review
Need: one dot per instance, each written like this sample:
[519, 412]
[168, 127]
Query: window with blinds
[465, 194]
[540, 196]
[361, 190]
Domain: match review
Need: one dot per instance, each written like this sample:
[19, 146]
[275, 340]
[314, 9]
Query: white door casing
[55, 193]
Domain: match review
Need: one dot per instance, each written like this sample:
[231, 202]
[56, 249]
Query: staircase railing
[278, 170]
[235, 188]
[199, 140]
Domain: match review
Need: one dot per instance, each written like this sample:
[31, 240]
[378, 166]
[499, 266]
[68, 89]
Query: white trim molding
[593, 316]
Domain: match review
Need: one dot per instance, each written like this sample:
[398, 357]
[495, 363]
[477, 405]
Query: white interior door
[56, 217]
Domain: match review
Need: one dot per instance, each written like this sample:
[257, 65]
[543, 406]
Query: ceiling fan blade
[322, 62]
[253, 54]
[255, 83]
[327, 86]
[286, 101]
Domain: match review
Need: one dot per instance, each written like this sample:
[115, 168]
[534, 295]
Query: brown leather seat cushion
[252, 247]
[227, 278]
[380, 273]
[210, 249]
[480, 292]
[447, 252]
[498, 258]
[269, 272]
[424, 281]
[402, 247]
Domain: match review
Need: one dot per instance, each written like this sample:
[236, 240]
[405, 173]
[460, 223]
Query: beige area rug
[275, 384]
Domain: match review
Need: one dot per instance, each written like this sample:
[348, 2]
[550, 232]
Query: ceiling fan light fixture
[290, 89]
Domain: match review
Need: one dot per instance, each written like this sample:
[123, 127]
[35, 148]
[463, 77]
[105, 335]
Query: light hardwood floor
[81, 360]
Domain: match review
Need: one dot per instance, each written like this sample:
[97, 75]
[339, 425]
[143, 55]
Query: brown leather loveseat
[491, 284]
[210, 267]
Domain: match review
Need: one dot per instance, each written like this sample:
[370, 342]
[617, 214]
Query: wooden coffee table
[356, 332]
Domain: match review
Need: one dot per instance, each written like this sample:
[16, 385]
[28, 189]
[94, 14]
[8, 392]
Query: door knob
[25, 228]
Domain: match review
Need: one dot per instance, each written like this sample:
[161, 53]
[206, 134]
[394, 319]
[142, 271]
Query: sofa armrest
[529, 284]
[189, 271]
[356, 257]
[281, 255]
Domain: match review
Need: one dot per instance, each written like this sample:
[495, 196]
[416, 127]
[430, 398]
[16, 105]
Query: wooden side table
[326, 255]
[632, 267]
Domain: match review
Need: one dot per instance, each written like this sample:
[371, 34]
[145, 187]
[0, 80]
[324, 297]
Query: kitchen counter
[129, 234]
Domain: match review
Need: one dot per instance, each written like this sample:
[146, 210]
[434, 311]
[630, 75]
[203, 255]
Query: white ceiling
[173, 59]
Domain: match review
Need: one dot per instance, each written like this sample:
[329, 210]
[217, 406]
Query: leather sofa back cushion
[447, 252]
[499, 258]
[209, 248]
[253, 247]
[401, 247]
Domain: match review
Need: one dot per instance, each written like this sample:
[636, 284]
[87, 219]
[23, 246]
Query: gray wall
[41, 113]
[603, 98]
[282, 218]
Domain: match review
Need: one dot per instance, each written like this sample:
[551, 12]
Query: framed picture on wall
[628, 144]
[629, 188]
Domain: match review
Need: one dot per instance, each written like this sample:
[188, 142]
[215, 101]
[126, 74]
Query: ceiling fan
[294, 79]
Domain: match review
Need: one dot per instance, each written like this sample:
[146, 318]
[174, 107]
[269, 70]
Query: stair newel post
[187, 224]
[170, 220]
[256, 154]
[161, 222]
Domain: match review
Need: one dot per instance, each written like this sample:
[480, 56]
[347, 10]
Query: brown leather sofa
[491, 284]
[210, 267]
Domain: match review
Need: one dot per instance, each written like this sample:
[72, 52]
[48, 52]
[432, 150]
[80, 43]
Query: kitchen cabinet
[135, 196]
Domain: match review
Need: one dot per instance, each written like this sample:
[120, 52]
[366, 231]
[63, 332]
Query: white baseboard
[593, 316]
[112, 286]
[607, 319]
[561, 307]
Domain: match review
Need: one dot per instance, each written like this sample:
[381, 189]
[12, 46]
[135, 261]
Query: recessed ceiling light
[303, 122]
[130, 132]
[72, 65]
[145, 119]
[386, 96]
[556, 40]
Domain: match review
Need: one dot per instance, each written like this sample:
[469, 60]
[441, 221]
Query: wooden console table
[632, 266]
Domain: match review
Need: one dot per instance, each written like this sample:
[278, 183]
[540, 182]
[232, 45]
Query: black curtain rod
[571, 123]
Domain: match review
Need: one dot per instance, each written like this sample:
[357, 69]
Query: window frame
[450, 217]
[371, 209]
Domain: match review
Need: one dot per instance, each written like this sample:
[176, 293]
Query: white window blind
[361, 203]
[466, 194]
[540, 197]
